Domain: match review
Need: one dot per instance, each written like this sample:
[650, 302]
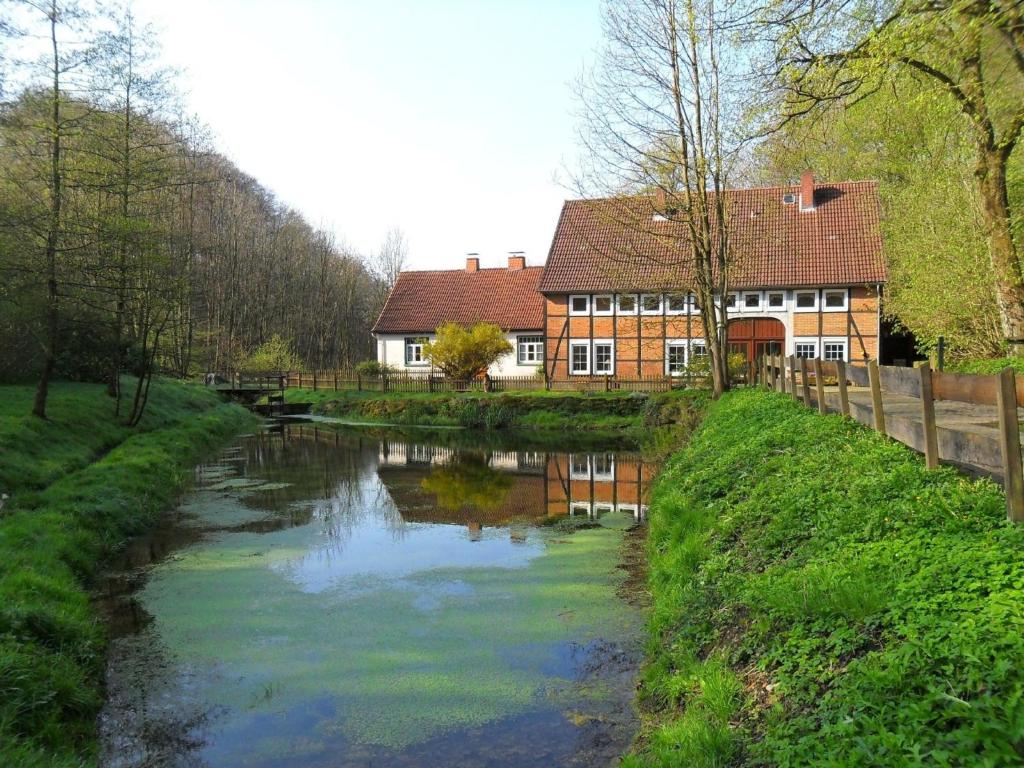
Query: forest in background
[129, 244]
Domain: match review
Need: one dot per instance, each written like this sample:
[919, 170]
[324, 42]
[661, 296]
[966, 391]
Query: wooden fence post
[805, 384]
[359, 382]
[844, 396]
[819, 387]
[931, 436]
[876, 396]
[1009, 439]
[314, 379]
[792, 378]
[335, 379]
[383, 382]
[780, 374]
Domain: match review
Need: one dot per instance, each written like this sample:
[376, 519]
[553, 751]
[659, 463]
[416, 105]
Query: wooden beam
[844, 396]
[819, 387]
[931, 437]
[876, 396]
[1009, 439]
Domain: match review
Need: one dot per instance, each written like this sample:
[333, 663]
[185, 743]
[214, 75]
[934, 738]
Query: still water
[329, 596]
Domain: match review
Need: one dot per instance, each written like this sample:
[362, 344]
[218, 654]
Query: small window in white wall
[805, 301]
[579, 357]
[752, 301]
[627, 303]
[530, 349]
[730, 301]
[676, 303]
[579, 305]
[414, 350]
[604, 357]
[650, 304]
[807, 348]
[694, 304]
[675, 358]
[603, 305]
[776, 300]
[697, 349]
[833, 349]
[834, 300]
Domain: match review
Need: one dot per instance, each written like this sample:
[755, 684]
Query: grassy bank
[554, 411]
[822, 599]
[80, 485]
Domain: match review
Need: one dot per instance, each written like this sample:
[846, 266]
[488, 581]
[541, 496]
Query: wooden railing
[993, 448]
[427, 382]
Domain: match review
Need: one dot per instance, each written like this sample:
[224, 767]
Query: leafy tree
[970, 52]
[911, 141]
[464, 353]
[275, 354]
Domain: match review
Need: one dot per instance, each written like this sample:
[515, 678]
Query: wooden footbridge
[251, 388]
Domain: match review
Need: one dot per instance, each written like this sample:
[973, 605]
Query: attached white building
[422, 301]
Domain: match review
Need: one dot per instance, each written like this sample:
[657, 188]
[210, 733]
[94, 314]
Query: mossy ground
[820, 598]
[80, 484]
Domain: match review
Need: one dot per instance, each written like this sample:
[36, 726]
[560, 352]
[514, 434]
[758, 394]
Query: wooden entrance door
[754, 337]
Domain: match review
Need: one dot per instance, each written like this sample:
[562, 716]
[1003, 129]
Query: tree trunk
[53, 233]
[991, 173]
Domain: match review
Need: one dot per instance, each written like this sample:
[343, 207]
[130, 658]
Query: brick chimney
[807, 191]
[472, 263]
[516, 260]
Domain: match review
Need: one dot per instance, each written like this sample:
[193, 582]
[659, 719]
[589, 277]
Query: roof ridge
[762, 188]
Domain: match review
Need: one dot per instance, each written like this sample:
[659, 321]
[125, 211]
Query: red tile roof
[421, 301]
[615, 243]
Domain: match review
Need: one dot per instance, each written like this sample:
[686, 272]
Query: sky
[451, 119]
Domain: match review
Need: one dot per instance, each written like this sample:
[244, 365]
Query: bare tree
[389, 261]
[657, 114]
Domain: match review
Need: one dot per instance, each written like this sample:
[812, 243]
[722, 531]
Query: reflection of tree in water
[467, 480]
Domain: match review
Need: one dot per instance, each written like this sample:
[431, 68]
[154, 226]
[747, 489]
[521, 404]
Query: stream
[339, 596]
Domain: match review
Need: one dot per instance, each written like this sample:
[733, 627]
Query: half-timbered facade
[805, 274]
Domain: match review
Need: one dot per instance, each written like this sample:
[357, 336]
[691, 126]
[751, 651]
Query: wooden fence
[993, 446]
[411, 382]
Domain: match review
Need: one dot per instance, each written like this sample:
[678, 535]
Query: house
[420, 302]
[614, 298]
[805, 279]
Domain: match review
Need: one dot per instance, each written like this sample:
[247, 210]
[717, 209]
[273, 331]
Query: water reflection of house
[430, 483]
[595, 483]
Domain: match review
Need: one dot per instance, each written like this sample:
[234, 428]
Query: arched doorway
[756, 336]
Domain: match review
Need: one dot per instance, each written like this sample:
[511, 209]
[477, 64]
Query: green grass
[84, 486]
[541, 410]
[820, 598]
[987, 366]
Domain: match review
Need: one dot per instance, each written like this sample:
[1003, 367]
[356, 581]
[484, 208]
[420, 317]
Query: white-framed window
[677, 303]
[835, 300]
[694, 304]
[751, 301]
[579, 357]
[775, 301]
[805, 301]
[603, 509]
[626, 303]
[604, 305]
[730, 302]
[697, 348]
[579, 305]
[530, 349]
[579, 508]
[807, 348]
[603, 465]
[579, 466]
[675, 357]
[604, 357]
[632, 509]
[650, 304]
[414, 350]
[834, 349]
